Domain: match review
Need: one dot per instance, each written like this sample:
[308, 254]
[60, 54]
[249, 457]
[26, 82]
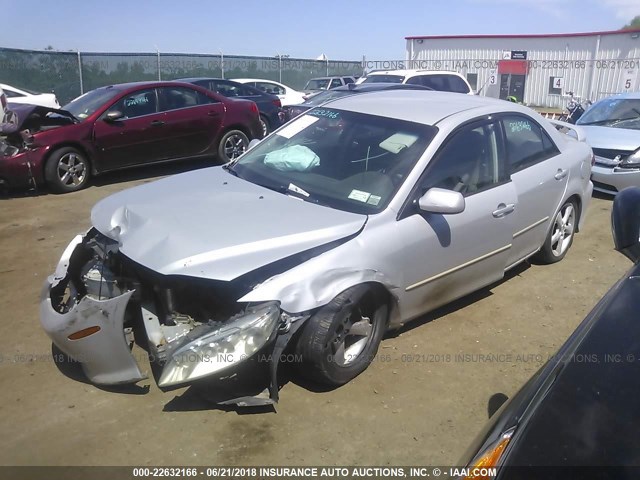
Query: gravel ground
[421, 402]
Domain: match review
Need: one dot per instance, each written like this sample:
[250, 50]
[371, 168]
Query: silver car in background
[354, 218]
[612, 128]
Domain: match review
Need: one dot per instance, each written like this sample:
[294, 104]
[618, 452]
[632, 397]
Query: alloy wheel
[72, 170]
[563, 229]
[351, 337]
[234, 146]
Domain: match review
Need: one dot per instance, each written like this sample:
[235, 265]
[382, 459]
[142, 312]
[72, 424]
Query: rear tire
[340, 340]
[67, 170]
[264, 124]
[560, 236]
[232, 144]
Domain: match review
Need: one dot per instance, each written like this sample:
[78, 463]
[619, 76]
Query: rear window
[440, 82]
[383, 79]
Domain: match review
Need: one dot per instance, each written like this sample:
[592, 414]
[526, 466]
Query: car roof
[255, 80]
[194, 79]
[377, 86]
[627, 95]
[153, 83]
[428, 107]
[408, 72]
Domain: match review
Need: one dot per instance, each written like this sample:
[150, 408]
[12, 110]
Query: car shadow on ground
[133, 174]
[460, 303]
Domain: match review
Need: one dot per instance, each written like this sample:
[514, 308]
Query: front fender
[297, 292]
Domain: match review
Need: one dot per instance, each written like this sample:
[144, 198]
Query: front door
[137, 137]
[449, 256]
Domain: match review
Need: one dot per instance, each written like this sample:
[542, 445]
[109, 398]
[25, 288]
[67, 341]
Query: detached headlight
[230, 344]
[632, 160]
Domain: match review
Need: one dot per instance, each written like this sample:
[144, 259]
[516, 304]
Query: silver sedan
[612, 128]
[354, 218]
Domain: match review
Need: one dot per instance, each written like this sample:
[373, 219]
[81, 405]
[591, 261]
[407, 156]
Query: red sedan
[122, 126]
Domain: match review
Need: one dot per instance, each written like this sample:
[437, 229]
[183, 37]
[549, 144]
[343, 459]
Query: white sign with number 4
[558, 83]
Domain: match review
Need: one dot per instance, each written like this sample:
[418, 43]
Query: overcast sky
[341, 29]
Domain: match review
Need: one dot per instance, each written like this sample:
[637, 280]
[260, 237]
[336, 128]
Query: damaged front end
[99, 302]
[21, 153]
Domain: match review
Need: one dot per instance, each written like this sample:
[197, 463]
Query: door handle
[157, 123]
[213, 113]
[504, 210]
[560, 174]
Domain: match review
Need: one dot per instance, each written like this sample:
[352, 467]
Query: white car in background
[287, 95]
[440, 80]
[20, 95]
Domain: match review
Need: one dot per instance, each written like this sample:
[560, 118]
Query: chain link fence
[70, 74]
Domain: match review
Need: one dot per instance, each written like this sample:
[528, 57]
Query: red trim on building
[533, 35]
[515, 67]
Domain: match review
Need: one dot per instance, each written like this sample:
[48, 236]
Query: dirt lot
[398, 412]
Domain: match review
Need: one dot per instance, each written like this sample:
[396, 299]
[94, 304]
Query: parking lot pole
[279, 66]
[80, 73]
[222, 63]
[159, 74]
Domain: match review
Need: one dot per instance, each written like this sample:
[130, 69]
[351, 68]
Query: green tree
[633, 24]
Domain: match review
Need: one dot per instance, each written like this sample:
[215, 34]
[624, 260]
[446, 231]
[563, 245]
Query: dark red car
[122, 126]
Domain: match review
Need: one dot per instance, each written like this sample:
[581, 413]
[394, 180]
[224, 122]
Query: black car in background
[269, 105]
[579, 415]
[293, 111]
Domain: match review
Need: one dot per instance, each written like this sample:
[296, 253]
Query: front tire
[340, 340]
[560, 237]
[232, 144]
[67, 170]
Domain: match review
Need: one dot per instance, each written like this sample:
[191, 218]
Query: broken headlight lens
[227, 345]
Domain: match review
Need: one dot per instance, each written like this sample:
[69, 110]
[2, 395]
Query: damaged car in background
[121, 126]
[352, 219]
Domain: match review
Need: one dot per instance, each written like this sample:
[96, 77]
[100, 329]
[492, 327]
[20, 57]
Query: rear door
[192, 121]
[448, 256]
[540, 174]
[139, 136]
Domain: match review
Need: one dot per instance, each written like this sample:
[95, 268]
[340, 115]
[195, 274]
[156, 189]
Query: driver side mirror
[625, 223]
[440, 200]
[113, 116]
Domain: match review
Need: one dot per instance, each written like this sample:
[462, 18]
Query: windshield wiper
[620, 120]
[227, 167]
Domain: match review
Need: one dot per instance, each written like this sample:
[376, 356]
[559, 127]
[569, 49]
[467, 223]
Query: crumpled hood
[210, 224]
[611, 137]
[31, 117]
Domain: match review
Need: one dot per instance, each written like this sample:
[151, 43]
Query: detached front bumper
[92, 331]
[236, 358]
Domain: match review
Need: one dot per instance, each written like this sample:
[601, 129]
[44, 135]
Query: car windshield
[323, 97]
[86, 105]
[317, 84]
[383, 79]
[345, 160]
[614, 112]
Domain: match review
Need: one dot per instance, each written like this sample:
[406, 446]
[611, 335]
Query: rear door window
[526, 142]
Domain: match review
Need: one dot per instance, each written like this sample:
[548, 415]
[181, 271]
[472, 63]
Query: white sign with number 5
[628, 80]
